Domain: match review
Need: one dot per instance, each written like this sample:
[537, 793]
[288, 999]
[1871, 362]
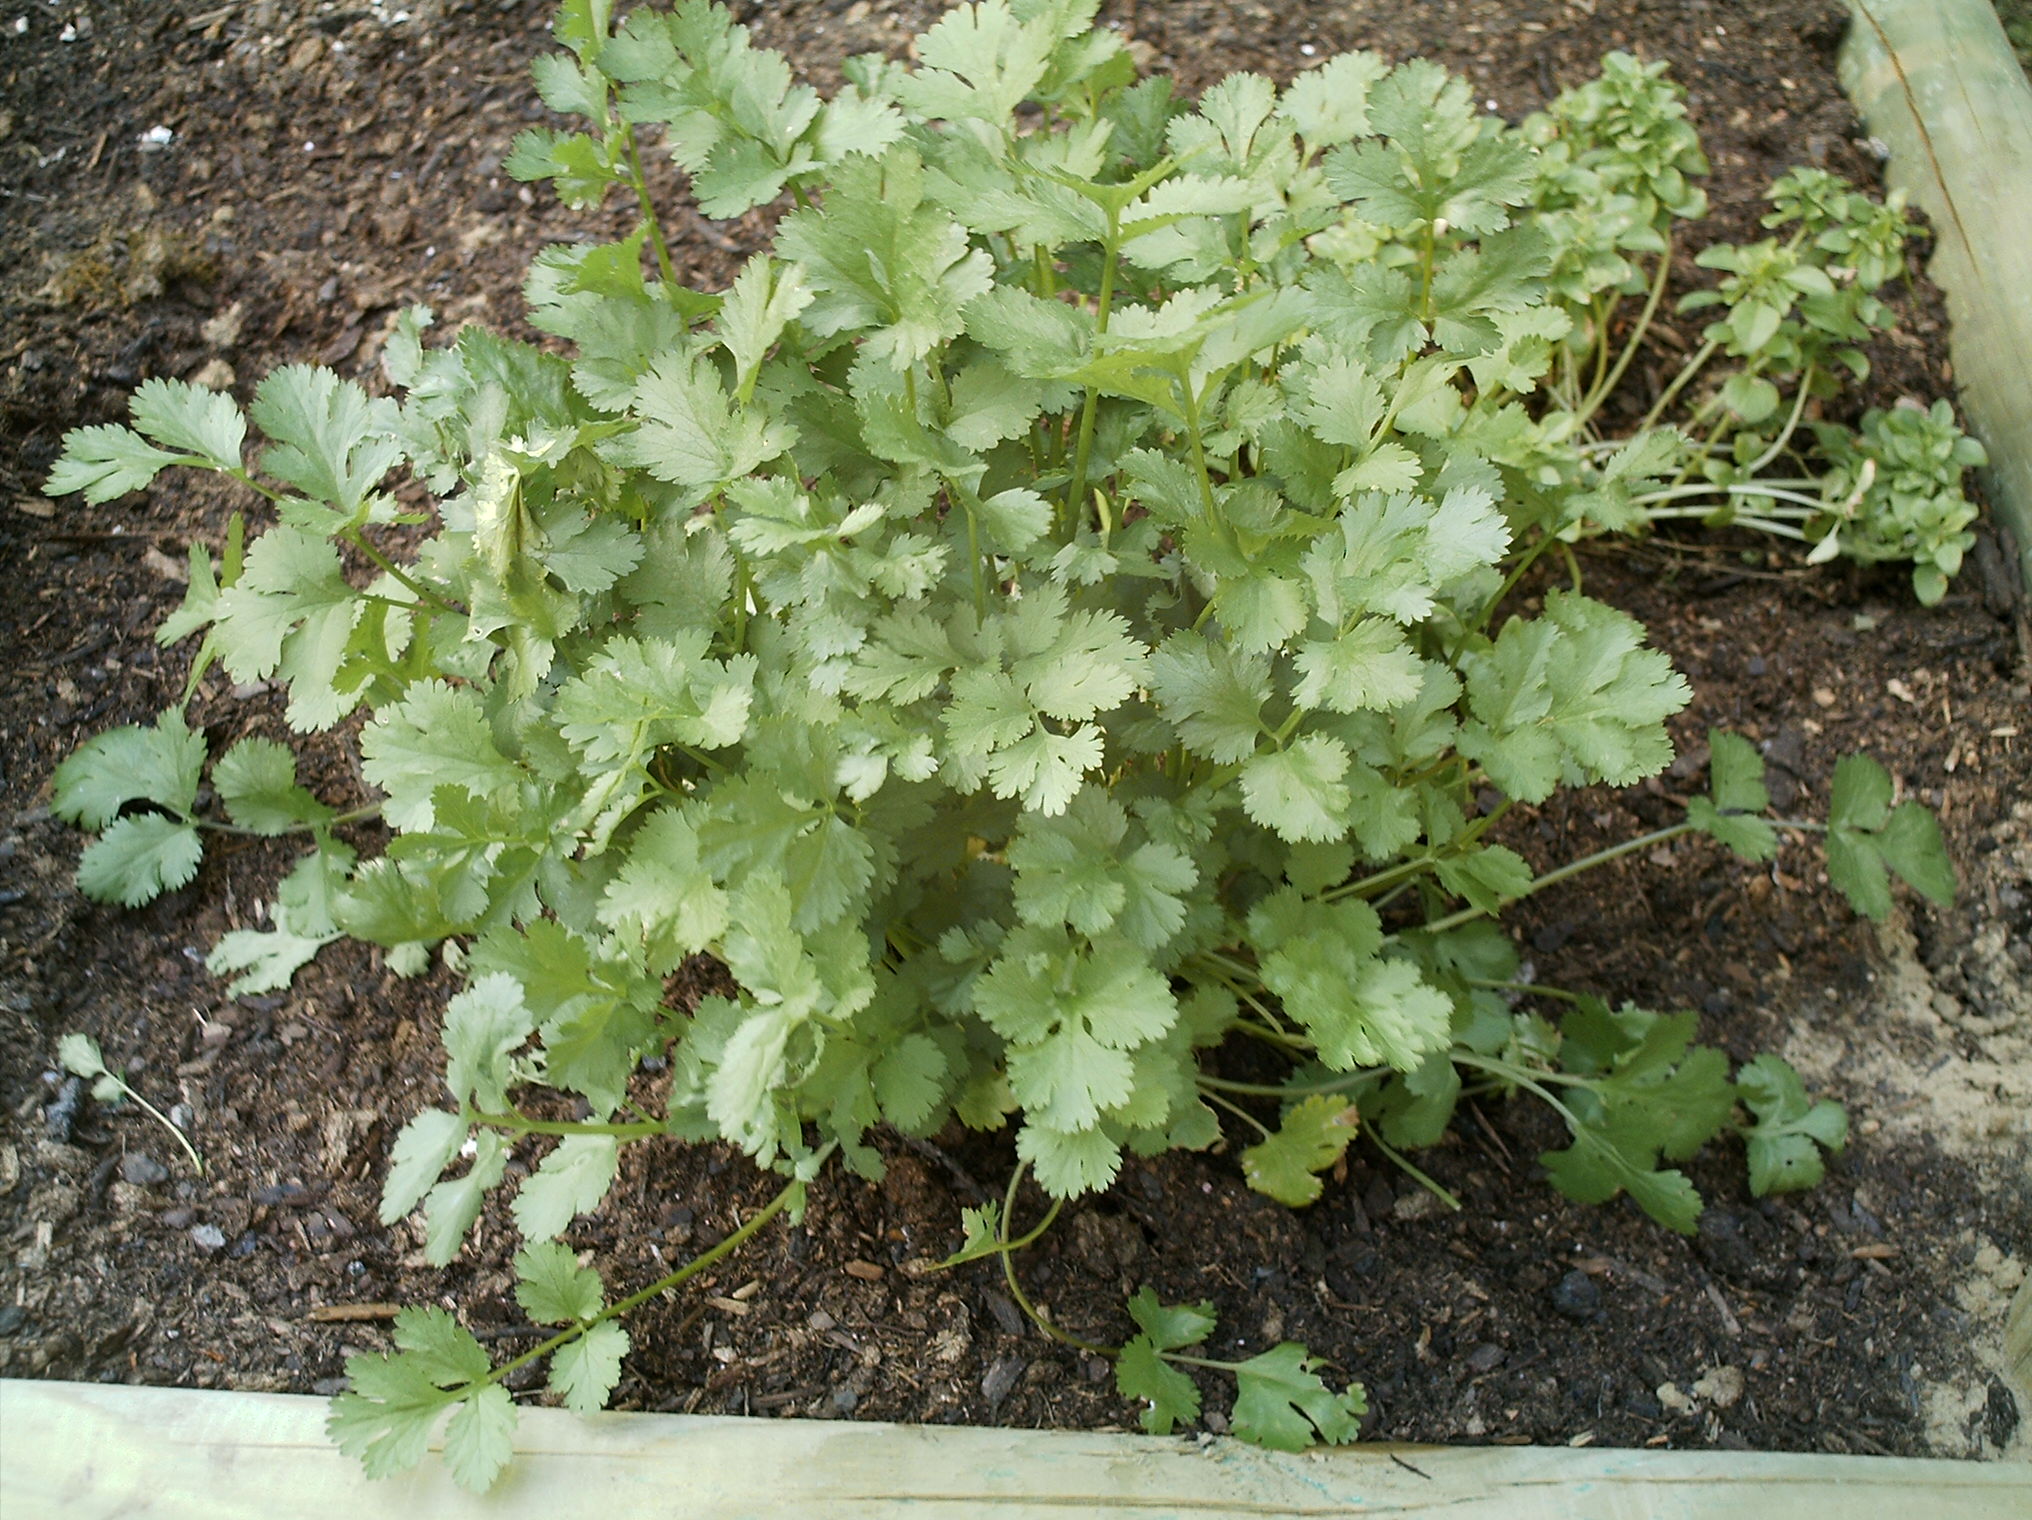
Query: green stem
[1691, 368]
[161, 1118]
[1425, 1180]
[1239, 1112]
[518, 1124]
[1075, 500]
[1592, 402]
[639, 182]
[682, 1275]
[1348, 1083]
[1030, 1310]
[1572, 868]
[352, 815]
[401, 577]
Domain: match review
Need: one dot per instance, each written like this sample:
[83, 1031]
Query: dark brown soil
[330, 164]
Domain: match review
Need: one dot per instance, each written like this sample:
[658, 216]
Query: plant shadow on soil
[327, 167]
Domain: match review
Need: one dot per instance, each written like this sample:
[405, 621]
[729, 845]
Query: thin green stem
[682, 1275]
[1349, 1083]
[1030, 1310]
[519, 1124]
[1679, 383]
[1424, 1179]
[1075, 499]
[640, 184]
[1600, 393]
[1572, 868]
[1239, 1112]
[161, 1118]
[401, 577]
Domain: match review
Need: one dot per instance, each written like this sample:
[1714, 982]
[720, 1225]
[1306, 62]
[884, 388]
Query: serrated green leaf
[161, 764]
[423, 1150]
[327, 436]
[1298, 790]
[435, 737]
[191, 420]
[301, 925]
[1281, 1403]
[1791, 1129]
[553, 1288]
[451, 1206]
[483, 1026]
[1314, 1134]
[584, 1372]
[480, 1438]
[573, 1180]
[256, 779]
[139, 858]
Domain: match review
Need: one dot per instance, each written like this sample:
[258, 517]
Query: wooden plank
[1937, 82]
[83, 1451]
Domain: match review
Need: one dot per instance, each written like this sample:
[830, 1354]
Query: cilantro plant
[1047, 620]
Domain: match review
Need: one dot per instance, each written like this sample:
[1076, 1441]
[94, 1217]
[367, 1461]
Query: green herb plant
[1047, 620]
[79, 1055]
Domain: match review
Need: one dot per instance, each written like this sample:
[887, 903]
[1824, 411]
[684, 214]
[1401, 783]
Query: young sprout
[79, 1055]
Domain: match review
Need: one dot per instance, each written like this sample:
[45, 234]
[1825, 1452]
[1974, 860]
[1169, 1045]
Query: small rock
[821, 1321]
[215, 375]
[286, 1195]
[142, 1169]
[61, 1117]
[1576, 1297]
[1001, 1378]
[1008, 1318]
[1487, 1357]
[208, 1237]
[12, 1318]
[1721, 1387]
[845, 1398]
[177, 1219]
[1419, 1203]
[325, 1388]
[1673, 1398]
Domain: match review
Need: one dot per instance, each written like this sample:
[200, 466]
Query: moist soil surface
[208, 190]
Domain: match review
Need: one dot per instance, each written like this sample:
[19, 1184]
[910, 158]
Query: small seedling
[79, 1055]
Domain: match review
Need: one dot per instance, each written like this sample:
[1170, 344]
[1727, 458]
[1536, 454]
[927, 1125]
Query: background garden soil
[328, 163]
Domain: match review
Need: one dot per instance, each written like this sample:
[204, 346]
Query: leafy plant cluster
[1047, 619]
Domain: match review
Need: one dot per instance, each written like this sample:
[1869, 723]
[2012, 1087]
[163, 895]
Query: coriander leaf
[450, 1208]
[572, 1180]
[1866, 835]
[439, 1347]
[1571, 696]
[690, 433]
[423, 1150]
[327, 437]
[1212, 695]
[1298, 790]
[161, 764]
[256, 779]
[483, 1026]
[1791, 1128]
[302, 925]
[1170, 1398]
[191, 420]
[480, 1438]
[1329, 105]
[105, 461]
[664, 894]
[1281, 1403]
[139, 858]
[1369, 666]
[435, 737]
[584, 1372]
[1045, 768]
[763, 300]
[553, 1288]
[1314, 1134]
[1737, 783]
[1067, 1165]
